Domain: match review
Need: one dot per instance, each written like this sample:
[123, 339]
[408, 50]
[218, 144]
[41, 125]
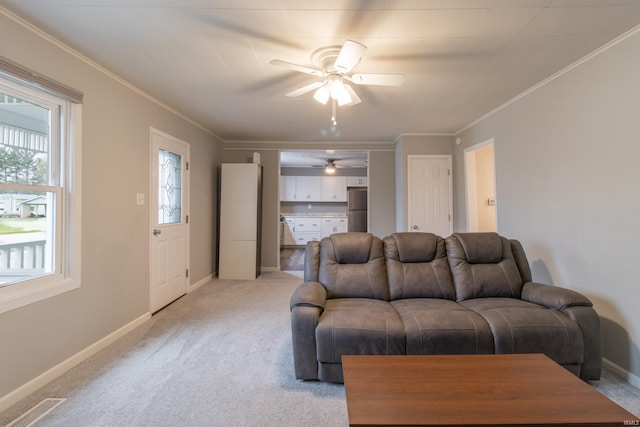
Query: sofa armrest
[589, 323]
[580, 309]
[553, 296]
[309, 294]
[307, 304]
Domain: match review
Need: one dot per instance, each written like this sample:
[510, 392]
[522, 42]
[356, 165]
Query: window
[39, 212]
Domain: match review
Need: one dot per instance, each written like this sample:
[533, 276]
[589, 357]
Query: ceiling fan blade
[296, 67]
[355, 99]
[304, 89]
[377, 79]
[349, 56]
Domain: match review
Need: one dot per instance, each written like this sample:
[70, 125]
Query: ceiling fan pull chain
[334, 120]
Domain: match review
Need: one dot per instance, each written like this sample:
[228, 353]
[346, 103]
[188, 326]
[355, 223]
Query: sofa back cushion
[483, 265]
[311, 261]
[417, 266]
[352, 266]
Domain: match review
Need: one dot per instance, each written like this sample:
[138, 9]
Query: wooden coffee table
[472, 390]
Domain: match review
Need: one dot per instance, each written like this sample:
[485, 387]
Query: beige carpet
[220, 356]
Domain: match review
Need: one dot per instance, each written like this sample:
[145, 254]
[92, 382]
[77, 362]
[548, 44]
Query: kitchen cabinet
[288, 188]
[303, 237]
[288, 229]
[334, 188]
[313, 189]
[332, 225]
[357, 181]
[307, 229]
[300, 230]
[308, 189]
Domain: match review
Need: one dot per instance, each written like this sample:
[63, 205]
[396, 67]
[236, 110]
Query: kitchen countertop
[315, 215]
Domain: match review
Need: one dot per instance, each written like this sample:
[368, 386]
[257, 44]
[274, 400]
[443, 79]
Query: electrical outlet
[139, 199]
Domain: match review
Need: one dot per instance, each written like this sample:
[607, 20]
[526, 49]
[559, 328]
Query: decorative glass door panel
[170, 187]
[169, 212]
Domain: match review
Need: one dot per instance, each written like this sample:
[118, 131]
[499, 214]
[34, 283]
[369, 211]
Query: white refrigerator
[239, 220]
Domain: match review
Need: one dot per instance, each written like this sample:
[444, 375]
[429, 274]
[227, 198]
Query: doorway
[430, 197]
[479, 166]
[169, 229]
[321, 192]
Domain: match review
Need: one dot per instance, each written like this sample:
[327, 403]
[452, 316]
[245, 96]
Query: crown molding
[71, 51]
[548, 80]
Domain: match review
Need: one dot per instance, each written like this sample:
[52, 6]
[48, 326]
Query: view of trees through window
[22, 166]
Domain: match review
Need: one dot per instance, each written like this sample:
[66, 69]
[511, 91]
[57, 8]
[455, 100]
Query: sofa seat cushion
[358, 326]
[523, 327]
[438, 326]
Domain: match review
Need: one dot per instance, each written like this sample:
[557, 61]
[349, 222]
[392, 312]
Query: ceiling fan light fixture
[353, 96]
[322, 94]
[335, 84]
[344, 98]
[339, 92]
[330, 168]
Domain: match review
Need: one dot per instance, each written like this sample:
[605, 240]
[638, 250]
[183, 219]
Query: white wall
[382, 215]
[115, 231]
[568, 186]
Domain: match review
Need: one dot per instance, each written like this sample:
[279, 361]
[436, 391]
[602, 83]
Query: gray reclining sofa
[417, 293]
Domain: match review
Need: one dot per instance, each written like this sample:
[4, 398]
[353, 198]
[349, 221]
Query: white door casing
[429, 193]
[480, 187]
[169, 228]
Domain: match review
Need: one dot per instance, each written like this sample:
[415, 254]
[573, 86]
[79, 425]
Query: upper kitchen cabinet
[308, 189]
[334, 188]
[288, 188]
[313, 189]
[357, 181]
[300, 189]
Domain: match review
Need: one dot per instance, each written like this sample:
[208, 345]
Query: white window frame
[66, 162]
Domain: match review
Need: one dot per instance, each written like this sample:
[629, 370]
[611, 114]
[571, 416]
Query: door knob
[156, 232]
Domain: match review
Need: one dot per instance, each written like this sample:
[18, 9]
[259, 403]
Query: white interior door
[169, 231]
[430, 197]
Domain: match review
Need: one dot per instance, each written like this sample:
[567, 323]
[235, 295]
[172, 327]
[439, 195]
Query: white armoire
[240, 215]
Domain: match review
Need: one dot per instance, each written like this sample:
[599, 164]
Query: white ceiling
[320, 158]
[209, 59]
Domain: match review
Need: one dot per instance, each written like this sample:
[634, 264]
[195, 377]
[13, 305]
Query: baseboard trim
[25, 390]
[268, 269]
[632, 379]
[199, 283]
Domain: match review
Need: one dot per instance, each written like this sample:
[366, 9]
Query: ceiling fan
[333, 67]
[331, 165]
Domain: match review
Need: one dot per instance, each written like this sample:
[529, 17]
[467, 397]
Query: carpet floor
[219, 356]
